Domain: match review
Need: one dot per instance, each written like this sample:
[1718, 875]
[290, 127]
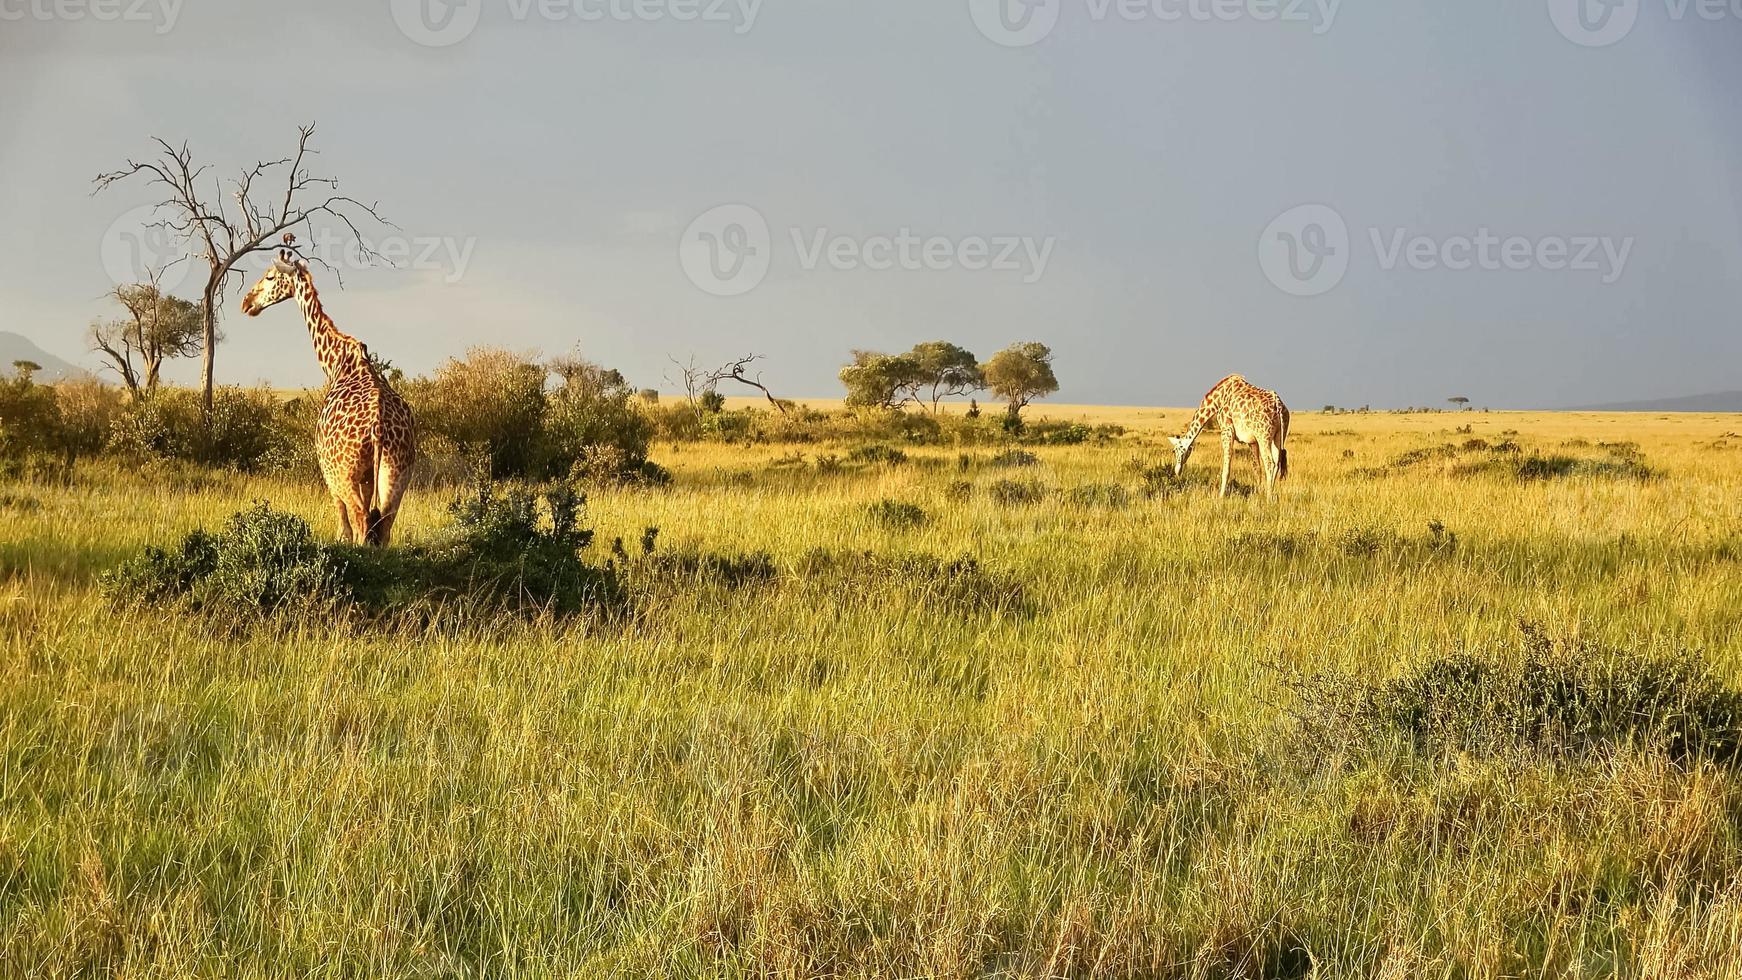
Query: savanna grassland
[1085, 756]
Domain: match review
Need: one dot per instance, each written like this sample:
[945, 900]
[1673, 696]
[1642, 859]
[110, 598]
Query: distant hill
[1723, 401]
[15, 347]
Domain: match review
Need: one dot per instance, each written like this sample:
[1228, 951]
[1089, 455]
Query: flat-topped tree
[267, 200]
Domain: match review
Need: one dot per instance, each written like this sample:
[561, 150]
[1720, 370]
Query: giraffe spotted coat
[365, 441]
[1245, 414]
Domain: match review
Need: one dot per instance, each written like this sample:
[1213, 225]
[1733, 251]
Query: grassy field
[866, 775]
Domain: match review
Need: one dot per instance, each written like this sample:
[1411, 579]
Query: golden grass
[848, 779]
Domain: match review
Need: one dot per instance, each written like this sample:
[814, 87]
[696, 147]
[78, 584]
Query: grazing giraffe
[365, 440]
[1245, 414]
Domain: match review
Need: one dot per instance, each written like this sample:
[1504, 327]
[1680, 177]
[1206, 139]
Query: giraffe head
[1182, 450]
[277, 283]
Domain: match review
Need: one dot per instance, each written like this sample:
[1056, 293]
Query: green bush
[1111, 496]
[1017, 492]
[31, 435]
[877, 455]
[961, 584]
[492, 402]
[897, 515]
[88, 410]
[1563, 699]
[1016, 458]
[251, 429]
[512, 551]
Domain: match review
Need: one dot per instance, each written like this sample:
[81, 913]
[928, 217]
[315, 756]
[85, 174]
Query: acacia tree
[1459, 401]
[877, 380]
[948, 371]
[1019, 374]
[288, 197]
[156, 327]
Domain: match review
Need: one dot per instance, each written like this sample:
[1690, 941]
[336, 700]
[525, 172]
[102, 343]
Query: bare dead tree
[698, 382]
[224, 234]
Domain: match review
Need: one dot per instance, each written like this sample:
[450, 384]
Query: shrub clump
[1555, 700]
[1014, 459]
[513, 551]
[1111, 496]
[897, 515]
[961, 584]
[731, 571]
[877, 455]
[1018, 492]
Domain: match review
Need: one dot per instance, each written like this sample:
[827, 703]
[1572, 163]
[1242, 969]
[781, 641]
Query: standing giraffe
[1245, 414]
[365, 440]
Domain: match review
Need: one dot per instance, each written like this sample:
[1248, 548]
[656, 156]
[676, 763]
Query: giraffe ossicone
[366, 440]
[1246, 414]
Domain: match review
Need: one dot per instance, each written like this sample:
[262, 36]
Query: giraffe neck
[1205, 414]
[338, 353]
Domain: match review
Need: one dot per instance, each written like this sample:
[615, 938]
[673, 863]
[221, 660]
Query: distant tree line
[937, 369]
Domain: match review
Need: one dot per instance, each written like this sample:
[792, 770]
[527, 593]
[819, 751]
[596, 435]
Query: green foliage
[512, 551]
[594, 426]
[251, 429]
[1477, 457]
[88, 412]
[876, 380]
[877, 455]
[960, 584]
[1019, 492]
[1110, 496]
[897, 515]
[496, 405]
[693, 566]
[1556, 699]
[493, 401]
[1014, 458]
[30, 425]
[1021, 373]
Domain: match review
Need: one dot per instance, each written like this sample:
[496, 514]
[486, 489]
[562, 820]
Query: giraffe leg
[1227, 457]
[1258, 458]
[354, 512]
[345, 533]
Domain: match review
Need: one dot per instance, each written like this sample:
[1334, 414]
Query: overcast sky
[1513, 200]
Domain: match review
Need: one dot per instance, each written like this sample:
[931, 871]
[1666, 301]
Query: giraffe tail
[1282, 463]
[372, 536]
